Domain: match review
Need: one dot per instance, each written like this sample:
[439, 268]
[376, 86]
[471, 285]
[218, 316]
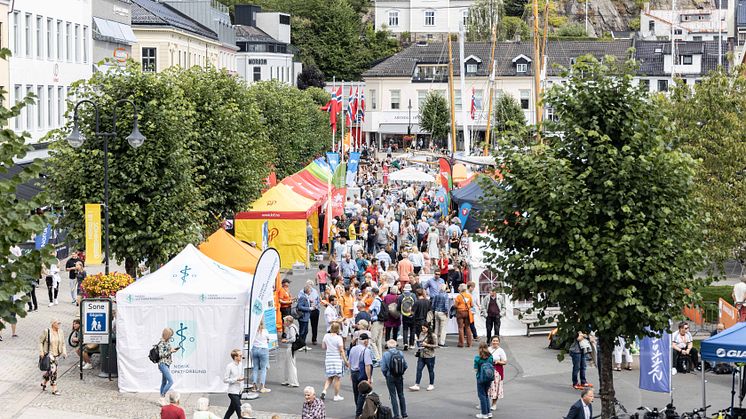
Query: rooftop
[152, 13]
[245, 33]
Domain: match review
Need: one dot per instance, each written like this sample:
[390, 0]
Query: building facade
[167, 37]
[51, 45]
[422, 19]
[112, 31]
[396, 88]
[707, 23]
[4, 64]
[264, 50]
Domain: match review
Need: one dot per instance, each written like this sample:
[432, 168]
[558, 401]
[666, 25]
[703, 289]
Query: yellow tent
[285, 213]
[459, 173]
[226, 249]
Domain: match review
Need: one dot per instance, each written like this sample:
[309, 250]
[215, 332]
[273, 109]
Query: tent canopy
[727, 346]
[410, 174]
[470, 193]
[280, 202]
[221, 246]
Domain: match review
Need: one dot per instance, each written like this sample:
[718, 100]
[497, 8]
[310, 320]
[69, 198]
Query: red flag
[473, 109]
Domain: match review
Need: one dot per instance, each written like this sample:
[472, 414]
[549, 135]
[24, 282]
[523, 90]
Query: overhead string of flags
[353, 113]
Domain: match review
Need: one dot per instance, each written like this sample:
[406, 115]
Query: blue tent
[471, 194]
[727, 346]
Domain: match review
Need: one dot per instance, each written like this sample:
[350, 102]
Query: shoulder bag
[45, 363]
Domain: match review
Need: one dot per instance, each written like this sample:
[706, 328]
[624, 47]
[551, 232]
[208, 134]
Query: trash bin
[108, 360]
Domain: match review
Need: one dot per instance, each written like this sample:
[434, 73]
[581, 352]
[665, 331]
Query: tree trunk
[130, 266]
[606, 384]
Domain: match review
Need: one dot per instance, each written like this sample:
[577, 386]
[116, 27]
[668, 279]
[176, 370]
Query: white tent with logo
[203, 301]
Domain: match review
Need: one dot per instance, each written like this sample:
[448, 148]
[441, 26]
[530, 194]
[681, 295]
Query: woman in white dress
[335, 361]
[432, 243]
[499, 357]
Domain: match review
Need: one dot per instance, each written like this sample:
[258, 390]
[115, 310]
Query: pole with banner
[655, 363]
[95, 327]
[94, 256]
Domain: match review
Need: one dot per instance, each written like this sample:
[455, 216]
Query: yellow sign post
[93, 252]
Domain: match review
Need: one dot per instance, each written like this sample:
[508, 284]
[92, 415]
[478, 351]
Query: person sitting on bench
[682, 347]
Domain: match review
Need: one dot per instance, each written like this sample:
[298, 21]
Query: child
[321, 278]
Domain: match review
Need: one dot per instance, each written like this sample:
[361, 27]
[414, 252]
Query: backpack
[722, 368]
[383, 313]
[486, 372]
[396, 364]
[393, 311]
[298, 342]
[153, 355]
[381, 411]
[407, 302]
[363, 376]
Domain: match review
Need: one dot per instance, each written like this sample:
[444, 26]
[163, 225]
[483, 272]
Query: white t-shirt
[740, 291]
[330, 315]
[333, 342]
[498, 354]
[682, 341]
[262, 339]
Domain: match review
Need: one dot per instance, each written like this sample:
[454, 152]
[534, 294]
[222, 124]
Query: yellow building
[167, 37]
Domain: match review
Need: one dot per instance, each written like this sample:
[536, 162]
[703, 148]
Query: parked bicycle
[696, 413]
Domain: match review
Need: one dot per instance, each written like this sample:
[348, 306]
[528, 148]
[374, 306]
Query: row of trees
[211, 142]
[613, 219]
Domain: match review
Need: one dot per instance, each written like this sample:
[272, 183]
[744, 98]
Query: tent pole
[704, 396]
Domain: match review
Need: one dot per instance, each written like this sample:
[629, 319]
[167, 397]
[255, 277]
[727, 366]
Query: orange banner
[728, 313]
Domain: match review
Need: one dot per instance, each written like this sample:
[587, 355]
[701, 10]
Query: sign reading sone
[96, 318]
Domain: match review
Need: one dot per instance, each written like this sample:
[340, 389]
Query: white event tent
[410, 174]
[203, 301]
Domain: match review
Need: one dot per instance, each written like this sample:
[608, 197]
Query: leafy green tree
[571, 30]
[484, 16]
[435, 117]
[156, 206]
[515, 7]
[311, 76]
[508, 114]
[231, 149]
[708, 123]
[319, 96]
[602, 220]
[19, 221]
[298, 130]
[512, 26]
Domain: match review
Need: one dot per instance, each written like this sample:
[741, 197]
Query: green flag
[339, 179]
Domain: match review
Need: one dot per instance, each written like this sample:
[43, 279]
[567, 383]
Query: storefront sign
[257, 61]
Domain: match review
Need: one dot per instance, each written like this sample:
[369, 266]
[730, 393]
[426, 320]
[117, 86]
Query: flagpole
[344, 121]
[334, 82]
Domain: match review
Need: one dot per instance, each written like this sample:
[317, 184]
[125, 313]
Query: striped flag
[473, 109]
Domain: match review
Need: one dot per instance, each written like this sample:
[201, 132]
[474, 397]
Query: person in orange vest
[286, 301]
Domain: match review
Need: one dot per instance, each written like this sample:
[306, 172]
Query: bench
[531, 320]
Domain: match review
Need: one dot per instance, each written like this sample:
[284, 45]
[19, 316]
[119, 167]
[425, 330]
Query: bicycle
[668, 413]
[696, 413]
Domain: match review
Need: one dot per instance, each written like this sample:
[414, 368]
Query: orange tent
[222, 247]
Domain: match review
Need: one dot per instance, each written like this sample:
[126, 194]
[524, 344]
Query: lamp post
[76, 139]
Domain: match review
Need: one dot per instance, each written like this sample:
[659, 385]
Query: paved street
[537, 386]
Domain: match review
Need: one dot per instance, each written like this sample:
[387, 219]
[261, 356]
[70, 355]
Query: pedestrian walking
[578, 351]
[622, 351]
[80, 276]
[52, 345]
[491, 310]
[405, 306]
[485, 374]
[427, 343]
[291, 334]
[393, 367]
[439, 303]
[51, 276]
[33, 304]
[234, 378]
[500, 359]
[313, 408]
[361, 367]
[394, 319]
[421, 311]
[164, 362]
[304, 309]
[286, 301]
[260, 359]
[203, 410]
[70, 267]
[378, 314]
[582, 409]
[334, 361]
[464, 316]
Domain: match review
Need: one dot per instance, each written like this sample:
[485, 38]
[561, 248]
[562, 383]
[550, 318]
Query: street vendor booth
[222, 247]
[203, 301]
[280, 217]
[728, 346]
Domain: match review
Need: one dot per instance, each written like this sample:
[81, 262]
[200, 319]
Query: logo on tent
[184, 337]
[184, 274]
[273, 233]
[722, 353]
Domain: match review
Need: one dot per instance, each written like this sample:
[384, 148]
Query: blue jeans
[260, 360]
[484, 400]
[166, 380]
[396, 394]
[303, 330]
[578, 365]
[421, 364]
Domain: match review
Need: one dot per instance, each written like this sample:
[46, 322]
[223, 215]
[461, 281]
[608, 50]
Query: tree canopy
[601, 220]
[435, 117]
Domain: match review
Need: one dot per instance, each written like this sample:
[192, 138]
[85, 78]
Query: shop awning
[108, 30]
[398, 129]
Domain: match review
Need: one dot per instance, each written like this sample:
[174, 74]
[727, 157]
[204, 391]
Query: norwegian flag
[473, 109]
[361, 108]
[349, 109]
[333, 107]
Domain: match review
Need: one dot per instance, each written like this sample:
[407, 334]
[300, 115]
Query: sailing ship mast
[452, 106]
[487, 138]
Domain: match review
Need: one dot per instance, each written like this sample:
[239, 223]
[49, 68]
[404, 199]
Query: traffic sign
[96, 319]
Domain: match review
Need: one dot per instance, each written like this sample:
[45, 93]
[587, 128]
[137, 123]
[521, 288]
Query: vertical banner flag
[352, 165]
[42, 238]
[265, 234]
[463, 213]
[444, 176]
[347, 142]
[261, 296]
[441, 196]
[655, 363]
[333, 159]
[340, 191]
[473, 108]
[93, 253]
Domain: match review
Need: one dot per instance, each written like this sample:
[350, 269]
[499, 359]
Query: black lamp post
[76, 139]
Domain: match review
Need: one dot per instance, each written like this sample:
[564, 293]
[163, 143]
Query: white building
[112, 31]
[704, 24]
[264, 46]
[693, 61]
[422, 19]
[51, 45]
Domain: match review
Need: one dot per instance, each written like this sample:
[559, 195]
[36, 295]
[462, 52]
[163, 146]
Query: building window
[471, 69]
[525, 99]
[284, 19]
[677, 31]
[645, 84]
[50, 40]
[662, 85]
[16, 33]
[395, 99]
[76, 44]
[651, 25]
[17, 93]
[372, 100]
[27, 33]
[59, 40]
[465, 16]
[85, 44]
[697, 38]
[39, 37]
[685, 59]
[521, 68]
[69, 41]
[479, 99]
[393, 18]
[429, 17]
[421, 96]
[29, 109]
[257, 73]
[60, 105]
[50, 106]
[39, 107]
[148, 59]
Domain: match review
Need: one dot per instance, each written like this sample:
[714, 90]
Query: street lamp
[76, 139]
